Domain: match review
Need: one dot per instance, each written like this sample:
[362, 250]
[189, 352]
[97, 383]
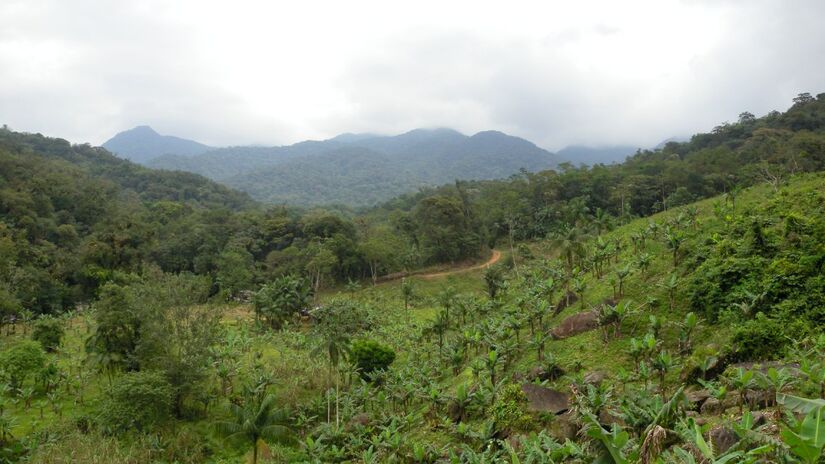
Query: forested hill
[359, 170]
[98, 165]
[731, 156]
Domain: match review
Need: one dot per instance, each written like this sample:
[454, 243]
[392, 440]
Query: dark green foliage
[447, 233]
[136, 401]
[281, 299]
[21, 361]
[113, 343]
[49, 332]
[760, 339]
[371, 356]
[494, 279]
[257, 419]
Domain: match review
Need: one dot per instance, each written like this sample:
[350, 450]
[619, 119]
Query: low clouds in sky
[556, 73]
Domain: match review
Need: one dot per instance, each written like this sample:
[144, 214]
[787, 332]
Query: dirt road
[493, 259]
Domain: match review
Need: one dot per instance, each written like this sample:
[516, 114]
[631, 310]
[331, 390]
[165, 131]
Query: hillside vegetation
[473, 357]
[667, 309]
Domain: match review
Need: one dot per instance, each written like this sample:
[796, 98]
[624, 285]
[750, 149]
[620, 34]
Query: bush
[494, 279]
[759, 339]
[49, 332]
[136, 401]
[509, 412]
[371, 356]
[22, 360]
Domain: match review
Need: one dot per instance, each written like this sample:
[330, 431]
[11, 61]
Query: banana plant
[741, 379]
[612, 444]
[805, 437]
[776, 381]
[709, 456]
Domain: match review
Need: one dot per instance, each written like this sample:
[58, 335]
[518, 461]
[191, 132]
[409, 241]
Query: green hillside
[454, 390]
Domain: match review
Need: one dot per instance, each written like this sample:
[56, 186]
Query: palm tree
[258, 420]
[335, 344]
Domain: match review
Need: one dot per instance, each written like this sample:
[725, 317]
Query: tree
[234, 274]
[49, 332]
[444, 231]
[494, 279]
[117, 330]
[570, 245]
[257, 420]
[9, 304]
[407, 292]
[284, 297]
[803, 98]
[380, 249]
[746, 117]
[137, 401]
[371, 356]
[321, 264]
[335, 323]
[21, 361]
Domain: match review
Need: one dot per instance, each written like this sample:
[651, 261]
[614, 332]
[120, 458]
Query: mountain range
[354, 169]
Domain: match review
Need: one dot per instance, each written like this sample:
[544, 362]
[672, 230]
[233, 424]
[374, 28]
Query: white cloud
[277, 72]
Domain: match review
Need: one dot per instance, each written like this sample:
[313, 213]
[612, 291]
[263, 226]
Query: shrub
[136, 400]
[370, 356]
[22, 360]
[494, 279]
[759, 339]
[49, 332]
[509, 412]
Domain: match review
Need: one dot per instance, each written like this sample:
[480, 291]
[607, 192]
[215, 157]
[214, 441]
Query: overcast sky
[556, 73]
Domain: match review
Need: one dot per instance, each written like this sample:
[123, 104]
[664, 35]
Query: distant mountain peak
[142, 144]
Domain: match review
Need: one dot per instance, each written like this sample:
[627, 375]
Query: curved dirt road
[493, 259]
